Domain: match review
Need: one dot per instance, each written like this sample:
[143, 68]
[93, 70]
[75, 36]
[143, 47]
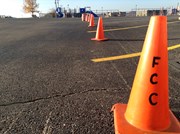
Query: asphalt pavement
[49, 84]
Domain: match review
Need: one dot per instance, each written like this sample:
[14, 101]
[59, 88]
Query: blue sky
[14, 8]
[120, 4]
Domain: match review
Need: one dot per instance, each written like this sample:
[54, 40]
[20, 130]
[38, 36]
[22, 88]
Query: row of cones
[100, 30]
[86, 17]
[147, 111]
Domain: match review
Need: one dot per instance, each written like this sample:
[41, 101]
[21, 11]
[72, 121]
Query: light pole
[102, 11]
[136, 11]
[56, 3]
[68, 7]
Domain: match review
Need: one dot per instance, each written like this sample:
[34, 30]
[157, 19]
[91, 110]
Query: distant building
[150, 12]
[174, 11]
[142, 12]
[122, 14]
[156, 12]
[41, 15]
[113, 14]
[131, 13]
[2, 16]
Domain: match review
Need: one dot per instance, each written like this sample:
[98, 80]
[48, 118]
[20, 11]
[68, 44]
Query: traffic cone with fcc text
[100, 31]
[91, 23]
[147, 111]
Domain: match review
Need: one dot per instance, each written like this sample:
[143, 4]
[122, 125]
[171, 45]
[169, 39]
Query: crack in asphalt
[55, 96]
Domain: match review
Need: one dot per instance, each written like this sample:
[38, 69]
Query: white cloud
[12, 8]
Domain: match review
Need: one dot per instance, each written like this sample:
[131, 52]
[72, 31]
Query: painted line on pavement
[126, 28]
[126, 56]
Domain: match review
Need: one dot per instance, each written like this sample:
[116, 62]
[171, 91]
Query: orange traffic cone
[91, 24]
[100, 31]
[86, 18]
[148, 108]
[83, 17]
[89, 17]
